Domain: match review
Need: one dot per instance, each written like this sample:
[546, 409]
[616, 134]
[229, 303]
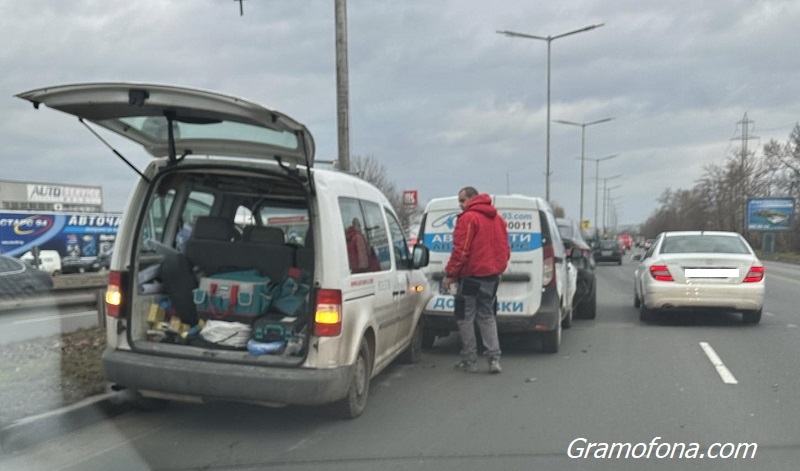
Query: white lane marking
[769, 314]
[724, 372]
[791, 325]
[60, 316]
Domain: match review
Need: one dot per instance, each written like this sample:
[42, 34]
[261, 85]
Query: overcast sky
[436, 95]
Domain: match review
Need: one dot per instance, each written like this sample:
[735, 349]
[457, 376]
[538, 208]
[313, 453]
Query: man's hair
[469, 191]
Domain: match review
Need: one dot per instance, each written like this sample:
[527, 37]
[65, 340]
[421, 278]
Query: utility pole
[743, 187]
[342, 86]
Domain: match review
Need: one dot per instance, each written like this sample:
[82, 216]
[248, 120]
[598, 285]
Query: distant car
[49, 261]
[17, 277]
[585, 300]
[608, 251]
[699, 269]
[625, 241]
[77, 264]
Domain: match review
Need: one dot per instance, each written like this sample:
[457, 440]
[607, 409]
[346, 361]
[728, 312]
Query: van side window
[377, 237]
[402, 258]
[366, 236]
[356, 239]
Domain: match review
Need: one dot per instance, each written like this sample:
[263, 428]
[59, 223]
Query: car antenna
[114, 150]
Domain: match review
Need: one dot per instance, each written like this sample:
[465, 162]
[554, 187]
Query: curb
[39, 428]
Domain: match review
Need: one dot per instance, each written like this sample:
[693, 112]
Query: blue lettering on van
[447, 220]
[510, 306]
[517, 216]
[442, 242]
[443, 304]
[447, 304]
[524, 241]
[439, 242]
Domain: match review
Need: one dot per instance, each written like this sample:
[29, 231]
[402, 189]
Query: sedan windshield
[702, 243]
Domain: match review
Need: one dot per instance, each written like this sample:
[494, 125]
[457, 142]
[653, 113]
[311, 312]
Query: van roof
[500, 201]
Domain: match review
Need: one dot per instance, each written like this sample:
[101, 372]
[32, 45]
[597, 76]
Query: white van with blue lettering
[535, 293]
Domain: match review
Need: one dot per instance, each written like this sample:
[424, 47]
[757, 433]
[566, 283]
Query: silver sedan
[699, 269]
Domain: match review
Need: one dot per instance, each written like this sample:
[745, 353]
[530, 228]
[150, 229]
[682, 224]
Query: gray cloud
[437, 95]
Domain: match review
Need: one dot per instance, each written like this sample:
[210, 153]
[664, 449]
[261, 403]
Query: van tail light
[549, 265]
[328, 314]
[660, 273]
[114, 295]
[755, 274]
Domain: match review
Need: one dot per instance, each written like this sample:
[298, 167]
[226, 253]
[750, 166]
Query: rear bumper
[226, 381]
[746, 297]
[545, 319]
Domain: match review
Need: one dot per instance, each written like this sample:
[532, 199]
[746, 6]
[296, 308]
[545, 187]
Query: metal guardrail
[68, 290]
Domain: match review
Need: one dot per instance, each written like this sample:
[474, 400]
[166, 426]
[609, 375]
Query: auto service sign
[410, 198]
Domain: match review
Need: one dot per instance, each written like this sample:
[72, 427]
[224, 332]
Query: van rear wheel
[356, 400]
[551, 341]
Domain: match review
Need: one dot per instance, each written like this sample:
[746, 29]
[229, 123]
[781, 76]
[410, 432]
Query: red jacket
[480, 241]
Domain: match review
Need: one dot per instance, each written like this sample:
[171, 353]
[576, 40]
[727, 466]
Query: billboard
[73, 235]
[770, 214]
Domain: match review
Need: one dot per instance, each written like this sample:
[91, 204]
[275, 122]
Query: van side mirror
[420, 256]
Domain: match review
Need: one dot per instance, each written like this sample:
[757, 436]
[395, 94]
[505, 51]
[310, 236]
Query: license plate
[605, 253]
[711, 273]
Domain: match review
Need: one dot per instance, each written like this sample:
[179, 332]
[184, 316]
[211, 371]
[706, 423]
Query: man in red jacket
[480, 254]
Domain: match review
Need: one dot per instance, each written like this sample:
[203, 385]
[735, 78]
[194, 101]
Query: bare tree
[371, 170]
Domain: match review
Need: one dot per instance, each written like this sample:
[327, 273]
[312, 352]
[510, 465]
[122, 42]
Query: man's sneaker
[494, 365]
[467, 366]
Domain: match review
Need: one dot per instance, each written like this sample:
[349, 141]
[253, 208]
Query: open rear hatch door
[203, 122]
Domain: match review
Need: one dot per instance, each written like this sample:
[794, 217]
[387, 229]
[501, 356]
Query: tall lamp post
[605, 198]
[597, 184]
[583, 148]
[549, 40]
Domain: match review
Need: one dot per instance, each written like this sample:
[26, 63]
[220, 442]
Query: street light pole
[549, 39]
[605, 198]
[583, 149]
[597, 184]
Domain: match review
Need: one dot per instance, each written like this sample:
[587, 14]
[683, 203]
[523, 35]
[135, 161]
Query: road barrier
[93, 297]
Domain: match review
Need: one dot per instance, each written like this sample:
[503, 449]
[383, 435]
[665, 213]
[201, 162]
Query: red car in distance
[625, 241]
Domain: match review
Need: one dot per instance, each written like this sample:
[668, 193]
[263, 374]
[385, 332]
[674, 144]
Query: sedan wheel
[588, 308]
[751, 317]
[566, 323]
[645, 315]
